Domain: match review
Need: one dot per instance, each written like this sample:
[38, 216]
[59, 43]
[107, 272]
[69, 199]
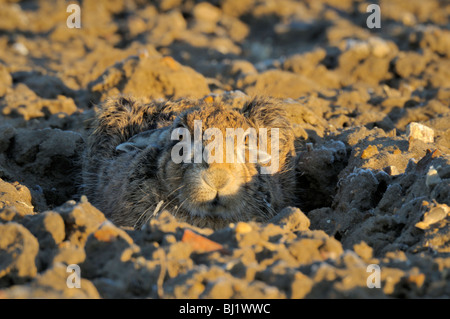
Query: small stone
[18, 251]
[432, 178]
[420, 132]
[408, 19]
[143, 54]
[379, 47]
[292, 219]
[209, 99]
[205, 11]
[391, 170]
[370, 151]
[20, 48]
[433, 216]
[359, 47]
[243, 228]
[363, 250]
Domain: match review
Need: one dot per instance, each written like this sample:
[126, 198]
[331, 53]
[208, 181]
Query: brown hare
[129, 172]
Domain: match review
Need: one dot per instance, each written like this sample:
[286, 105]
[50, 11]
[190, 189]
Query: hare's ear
[265, 112]
[270, 113]
[151, 138]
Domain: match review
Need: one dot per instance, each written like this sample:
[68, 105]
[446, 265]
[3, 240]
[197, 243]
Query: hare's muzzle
[217, 178]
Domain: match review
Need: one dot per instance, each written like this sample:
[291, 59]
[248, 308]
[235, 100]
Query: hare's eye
[179, 132]
[248, 139]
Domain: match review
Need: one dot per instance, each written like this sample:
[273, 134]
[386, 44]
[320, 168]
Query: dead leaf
[200, 243]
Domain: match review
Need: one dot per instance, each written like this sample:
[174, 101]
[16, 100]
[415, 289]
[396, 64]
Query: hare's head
[221, 163]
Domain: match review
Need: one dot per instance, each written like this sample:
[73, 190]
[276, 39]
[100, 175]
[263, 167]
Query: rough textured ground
[375, 188]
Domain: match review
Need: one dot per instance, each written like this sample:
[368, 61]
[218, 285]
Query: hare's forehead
[220, 121]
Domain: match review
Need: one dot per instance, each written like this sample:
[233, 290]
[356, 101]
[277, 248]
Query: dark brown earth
[375, 188]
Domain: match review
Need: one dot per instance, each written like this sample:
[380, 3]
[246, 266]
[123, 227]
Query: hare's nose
[217, 178]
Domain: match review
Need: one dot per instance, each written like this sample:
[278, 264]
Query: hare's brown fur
[129, 187]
